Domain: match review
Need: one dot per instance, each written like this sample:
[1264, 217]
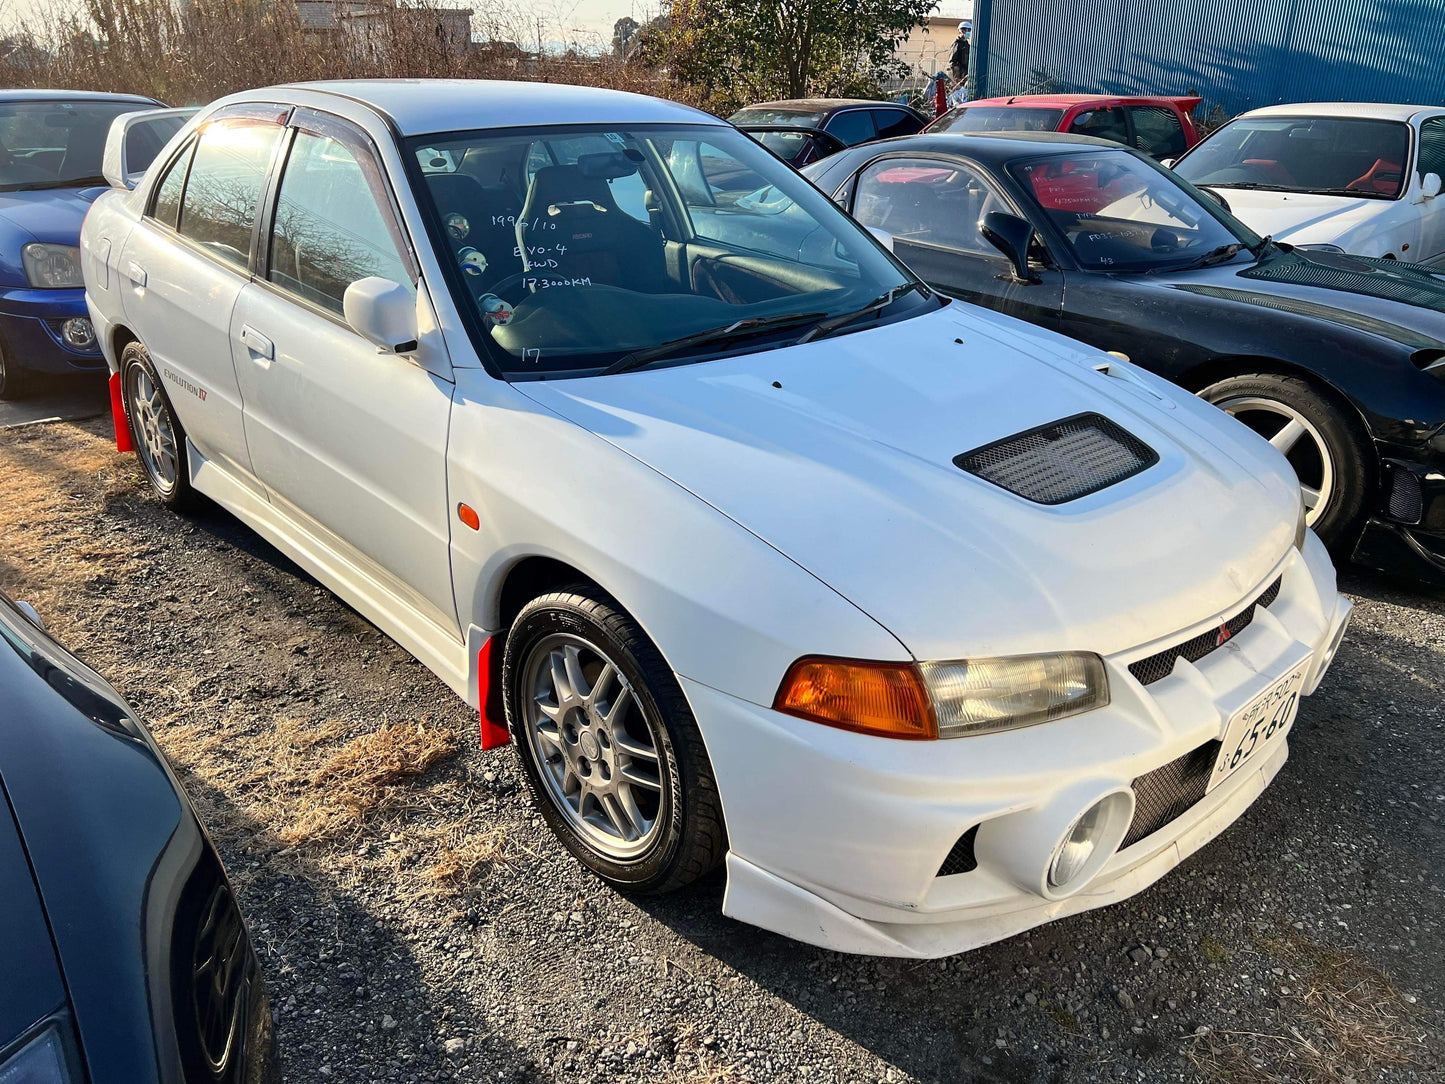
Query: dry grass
[1346, 1018]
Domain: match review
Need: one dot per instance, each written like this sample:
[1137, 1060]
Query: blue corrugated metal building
[1238, 54]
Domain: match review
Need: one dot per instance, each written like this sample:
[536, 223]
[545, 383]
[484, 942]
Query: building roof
[1373, 110]
[417, 106]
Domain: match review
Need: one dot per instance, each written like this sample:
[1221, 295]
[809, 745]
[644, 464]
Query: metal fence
[1238, 54]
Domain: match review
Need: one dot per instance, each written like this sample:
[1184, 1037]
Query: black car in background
[808, 130]
[1338, 360]
[123, 956]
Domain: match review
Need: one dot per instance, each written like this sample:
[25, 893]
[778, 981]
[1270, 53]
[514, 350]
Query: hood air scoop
[1061, 461]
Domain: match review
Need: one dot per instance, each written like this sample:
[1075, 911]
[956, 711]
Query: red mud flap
[489, 694]
[117, 410]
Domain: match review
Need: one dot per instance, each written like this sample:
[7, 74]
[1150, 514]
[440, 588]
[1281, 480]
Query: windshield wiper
[638, 358]
[827, 327]
[54, 182]
[1348, 192]
[1216, 255]
[1253, 186]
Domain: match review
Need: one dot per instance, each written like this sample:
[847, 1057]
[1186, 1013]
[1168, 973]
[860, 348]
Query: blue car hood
[53, 215]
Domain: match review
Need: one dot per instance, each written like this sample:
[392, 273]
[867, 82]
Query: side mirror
[1217, 198]
[1011, 235]
[134, 140]
[29, 611]
[1168, 163]
[382, 312]
[1430, 186]
[884, 237]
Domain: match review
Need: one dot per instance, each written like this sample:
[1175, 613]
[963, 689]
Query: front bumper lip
[838, 839]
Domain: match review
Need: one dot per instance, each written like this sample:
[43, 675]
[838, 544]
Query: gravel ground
[431, 929]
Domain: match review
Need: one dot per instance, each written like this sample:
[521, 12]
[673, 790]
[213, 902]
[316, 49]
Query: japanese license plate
[1258, 727]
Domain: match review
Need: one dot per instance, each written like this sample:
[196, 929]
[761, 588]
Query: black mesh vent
[1167, 793]
[1061, 461]
[1159, 666]
[1407, 500]
[961, 858]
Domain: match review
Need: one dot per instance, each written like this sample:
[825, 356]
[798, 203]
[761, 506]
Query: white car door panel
[347, 438]
[350, 439]
[182, 269]
[1431, 159]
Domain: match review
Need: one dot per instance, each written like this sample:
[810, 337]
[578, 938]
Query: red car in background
[1161, 127]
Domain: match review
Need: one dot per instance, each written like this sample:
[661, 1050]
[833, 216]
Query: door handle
[257, 343]
[136, 273]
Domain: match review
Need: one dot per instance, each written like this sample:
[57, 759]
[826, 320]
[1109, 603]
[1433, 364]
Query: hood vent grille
[1061, 461]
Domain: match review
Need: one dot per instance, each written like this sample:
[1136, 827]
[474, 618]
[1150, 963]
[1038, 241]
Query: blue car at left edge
[51, 143]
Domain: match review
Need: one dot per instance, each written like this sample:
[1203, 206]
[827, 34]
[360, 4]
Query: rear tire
[608, 744]
[156, 432]
[15, 382]
[1332, 457]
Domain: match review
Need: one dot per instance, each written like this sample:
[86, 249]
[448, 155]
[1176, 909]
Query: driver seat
[571, 227]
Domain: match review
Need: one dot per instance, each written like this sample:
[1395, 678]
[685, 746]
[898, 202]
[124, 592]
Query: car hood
[839, 453]
[1299, 217]
[52, 215]
[1399, 302]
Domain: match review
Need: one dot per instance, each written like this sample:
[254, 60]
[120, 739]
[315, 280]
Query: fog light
[1078, 848]
[78, 333]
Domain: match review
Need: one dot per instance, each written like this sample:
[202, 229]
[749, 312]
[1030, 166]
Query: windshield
[800, 118]
[1119, 213]
[576, 248]
[50, 144]
[1331, 155]
[998, 118]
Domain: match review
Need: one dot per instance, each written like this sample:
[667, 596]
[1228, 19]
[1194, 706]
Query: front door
[932, 208]
[349, 441]
[1432, 211]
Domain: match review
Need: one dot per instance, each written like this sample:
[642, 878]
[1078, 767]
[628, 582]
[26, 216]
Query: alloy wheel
[157, 443]
[595, 748]
[1297, 439]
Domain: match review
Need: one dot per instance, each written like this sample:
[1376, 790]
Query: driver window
[1432, 147]
[927, 202]
[330, 228]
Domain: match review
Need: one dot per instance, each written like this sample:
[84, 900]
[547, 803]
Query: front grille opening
[1160, 665]
[1407, 496]
[1167, 793]
[961, 858]
[1061, 461]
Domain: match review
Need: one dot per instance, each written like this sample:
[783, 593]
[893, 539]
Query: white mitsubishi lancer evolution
[931, 625]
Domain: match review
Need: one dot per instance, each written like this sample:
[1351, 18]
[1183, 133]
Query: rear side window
[927, 202]
[1102, 124]
[331, 228]
[168, 192]
[227, 174]
[1432, 146]
[895, 122]
[1158, 131]
[854, 126]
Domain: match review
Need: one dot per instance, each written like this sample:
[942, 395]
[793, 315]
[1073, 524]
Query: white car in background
[932, 625]
[1358, 178]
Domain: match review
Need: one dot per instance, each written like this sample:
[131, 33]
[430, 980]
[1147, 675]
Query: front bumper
[30, 322]
[1406, 535]
[840, 840]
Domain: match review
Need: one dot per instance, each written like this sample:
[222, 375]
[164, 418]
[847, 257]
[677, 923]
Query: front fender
[724, 608]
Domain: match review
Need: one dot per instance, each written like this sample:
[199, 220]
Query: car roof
[1056, 100]
[992, 148]
[42, 95]
[419, 106]
[816, 105]
[1373, 110]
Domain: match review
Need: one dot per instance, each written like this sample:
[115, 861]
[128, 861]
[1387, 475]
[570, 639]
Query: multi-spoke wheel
[1322, 444]
[608, 743]
[157, 434]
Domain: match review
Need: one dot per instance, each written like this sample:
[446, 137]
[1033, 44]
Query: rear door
[185, 265]
[349, 442]
[932, 207]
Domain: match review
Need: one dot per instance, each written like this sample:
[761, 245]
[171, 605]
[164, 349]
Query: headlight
[1301, 527]
[943, 699]
[40, 1061]
[52, 267]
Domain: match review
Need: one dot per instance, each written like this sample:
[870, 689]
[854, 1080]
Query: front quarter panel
[724, 608]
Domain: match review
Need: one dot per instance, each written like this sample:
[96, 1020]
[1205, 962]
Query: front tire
[1332, 458]
[15, 382]
[156, 432]
[608, 744]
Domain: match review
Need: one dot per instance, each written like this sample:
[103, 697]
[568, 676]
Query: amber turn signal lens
[468, 515]
[887, 699]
